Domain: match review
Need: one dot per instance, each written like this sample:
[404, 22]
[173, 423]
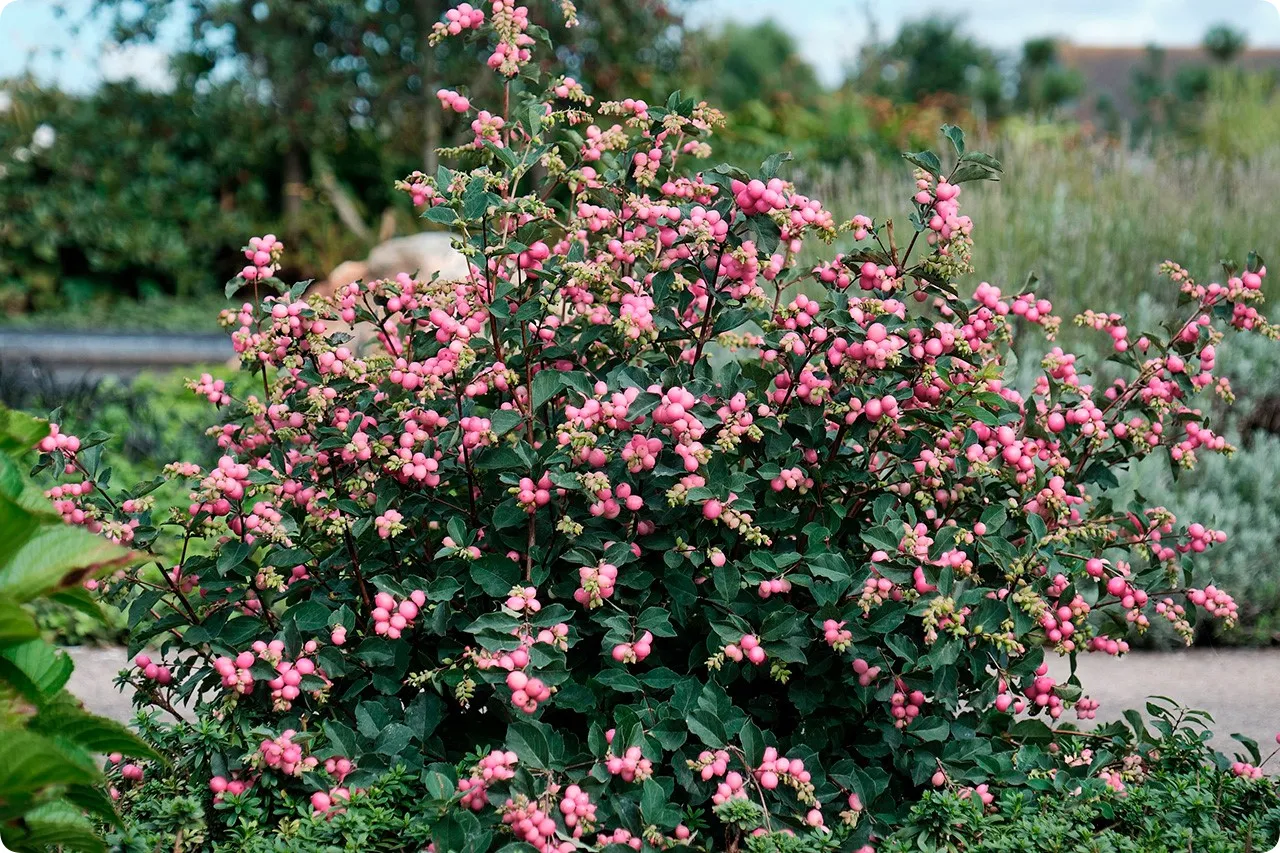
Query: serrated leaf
[58, 824]
[16, 624]
[33, 763]
[63, 719]
[41, 664]
[37, 557]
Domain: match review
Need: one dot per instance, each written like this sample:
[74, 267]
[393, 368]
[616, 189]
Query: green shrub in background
[151, 419]
[49, 745]
[1238, 495]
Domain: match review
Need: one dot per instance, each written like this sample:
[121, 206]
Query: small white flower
[22, 155]
[6, 101]
[44, 137]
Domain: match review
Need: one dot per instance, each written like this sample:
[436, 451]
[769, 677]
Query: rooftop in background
[1108, 71]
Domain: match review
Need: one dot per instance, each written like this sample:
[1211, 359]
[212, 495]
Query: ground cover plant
[539, 571]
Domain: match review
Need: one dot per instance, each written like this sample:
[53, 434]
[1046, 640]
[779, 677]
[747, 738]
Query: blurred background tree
[1224, 43]
[296, 116]
[1044, 84]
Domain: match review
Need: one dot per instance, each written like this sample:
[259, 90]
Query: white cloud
[145, 63]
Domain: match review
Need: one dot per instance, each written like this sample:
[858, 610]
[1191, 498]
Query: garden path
[1239, 687]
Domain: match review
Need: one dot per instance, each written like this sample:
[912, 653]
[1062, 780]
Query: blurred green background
[125, 203]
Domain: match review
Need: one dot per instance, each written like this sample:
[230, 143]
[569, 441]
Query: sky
[829, 32]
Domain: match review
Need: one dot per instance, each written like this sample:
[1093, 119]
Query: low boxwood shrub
[1173, 794]
[542, 573]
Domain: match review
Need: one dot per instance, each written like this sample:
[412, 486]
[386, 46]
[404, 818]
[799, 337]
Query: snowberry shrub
[581, 583]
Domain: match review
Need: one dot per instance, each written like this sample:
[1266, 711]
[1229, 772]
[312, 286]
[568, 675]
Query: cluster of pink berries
[389, 524]
[981, 792]
[263, 254]
[775, 769]
[1246, 770]
[461, 17]
[281, 753]
[866, 672]
[634, 652]
[497, 766]
[567, 87]
[391, 617]
[58, 440]
[711, 764]
[235, 672]
[512, 50]
[1200, 537]
[1040, 692]
[876, 589]
[774, 586]
[526, 692]
[323, 801]
[619, 836]
[578, 811]
[225, 483]
[1086, 708]
[533, 826]
[1059, 623]
[531, 495]
[153, 671]
[213, 390]
[129, 771]
[792, 478]
[1130, 596]
[1107, 645]
[836, 635]
[748, 647]
[524, 600]
[287, 685]
[1216, 602]
[595, 584]
[757, 196]
[629, 766]
[904, 705]
[220, 785]
[451, 100]
[64, 501]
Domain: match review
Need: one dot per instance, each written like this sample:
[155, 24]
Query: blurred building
[1113, 77]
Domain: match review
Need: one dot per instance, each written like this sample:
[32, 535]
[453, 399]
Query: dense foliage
[49, 776]
[1181, 797]
[624, 540]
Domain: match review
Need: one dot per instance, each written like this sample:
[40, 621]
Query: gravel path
[1240, 687]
